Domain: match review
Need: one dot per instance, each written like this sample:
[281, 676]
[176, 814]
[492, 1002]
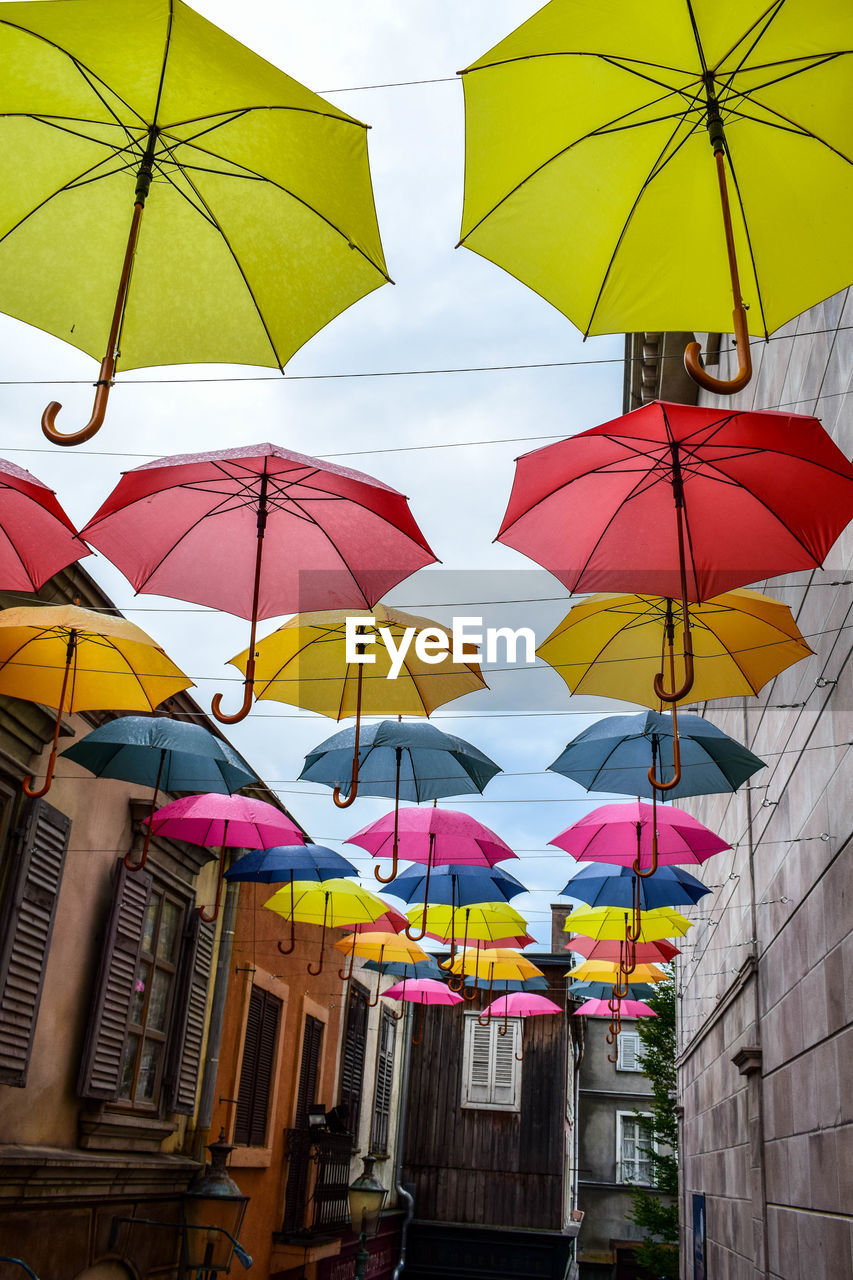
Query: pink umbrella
[433, 836]
[258, 531]
[625, 834]
[421, 991]
[36, 537]
[234, 822]
[393, 921]
[518, 1004]
[628, 1009]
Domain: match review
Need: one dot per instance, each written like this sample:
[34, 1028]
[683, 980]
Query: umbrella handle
[286, 951]
[448, 963]
[398, 1017]
[51, 762]
[249, 680]
[248, 690]
[345, 977]
[398, 751]
[99, 410]
[128, 861]
[676, 695]
[48, 778]
[416, 937]
[208, 919]
[353, 786]
[491, 988]
[371, 1004]
[642, 872]
[376, 871]
[314, 972]
[719, 386]
[419, 1018]
[519, 1057]
[657, 785]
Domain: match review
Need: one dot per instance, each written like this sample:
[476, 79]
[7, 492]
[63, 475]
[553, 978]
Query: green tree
[656, 1214]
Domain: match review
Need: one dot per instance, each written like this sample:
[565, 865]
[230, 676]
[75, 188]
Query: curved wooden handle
[344, 803]
[128, 860]
[310, 968]
[721, 386]
[48, 778]
[208, 919]
[677, 695]
[222, 717]
[371, 1004]
[92, 427]
[353, 786]
[519, 1057]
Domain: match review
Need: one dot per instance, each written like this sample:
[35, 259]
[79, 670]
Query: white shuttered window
[491, 1071]
[629, 1052]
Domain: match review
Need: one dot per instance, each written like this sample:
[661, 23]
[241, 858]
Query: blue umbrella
[602, 884]
[400, 969]
[457, 884]
[615, 754]
[289, 862]
[403, 760]
[604, 991]
[168, 755]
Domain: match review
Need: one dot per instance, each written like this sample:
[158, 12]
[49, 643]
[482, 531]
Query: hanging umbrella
[521, 1004]
[753, 495]
[628, 1009]
[660, 951]
[401, 760]
[484, 921]
[333, 904]
[422, 991]
[224, 822]
[36, 537]
[305, 664]
[497, 965]
[164, 754]
[258, 531]
[427, 968]
[390, 919]
[376, 945]
[434, 837]
[589, 175]
[260, 226]
[77, 660]
[602, 884]
[609, 971]
[609, 922]
[456, 885]
[604, 990]
[286, 863]
[622, 834]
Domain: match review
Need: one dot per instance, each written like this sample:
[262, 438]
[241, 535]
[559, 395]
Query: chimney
[559, 912]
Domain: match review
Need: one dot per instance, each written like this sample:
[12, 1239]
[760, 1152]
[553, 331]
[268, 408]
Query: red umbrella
[677, 500]
[36, 537]
[258, 531]
[610, 949]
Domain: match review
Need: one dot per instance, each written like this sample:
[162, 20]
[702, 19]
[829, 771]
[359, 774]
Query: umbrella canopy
[377, 943]
[427, 968]
[333, 904]
[78, 660]
[423, 991]
[521, 1004]
[599, 145]
[602, 884]
[391, 919]
[259, 224]
[258, 531]
[489, 921]
[659, 951]
[622, 834]
[290, 862]
[435, 837]
[173, 755]
[610, 972]
[609, 922]
[36, 537]
[496, 965]
[614, 645]
[604, 990]
[401, 760]
[627, 1008]
[457, 884]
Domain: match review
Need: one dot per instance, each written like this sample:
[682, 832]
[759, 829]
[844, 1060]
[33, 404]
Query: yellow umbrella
[332, 904]
[78, 660]
[609, 971]
[481, 921]
[304, 663]
[259, 223]
[609, 922]
[599, 151]
[613, 644]
[497, 964]
[380, 946]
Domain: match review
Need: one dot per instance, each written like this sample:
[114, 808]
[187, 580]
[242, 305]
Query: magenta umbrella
[421, 991]
[518, 1004]
[435, 837]
[233, 822]
[258, 531]
[626, 834]
[627, 1009]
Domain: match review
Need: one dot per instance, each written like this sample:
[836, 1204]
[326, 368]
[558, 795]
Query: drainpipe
[217, 1016]
[402, 1193]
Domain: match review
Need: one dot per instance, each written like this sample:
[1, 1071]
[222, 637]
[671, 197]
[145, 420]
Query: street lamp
[214, 1208]
[366, 1197]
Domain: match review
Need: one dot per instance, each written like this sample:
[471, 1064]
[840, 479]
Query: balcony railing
[317, 1180]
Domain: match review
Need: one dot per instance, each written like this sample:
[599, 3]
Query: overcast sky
[448, 309]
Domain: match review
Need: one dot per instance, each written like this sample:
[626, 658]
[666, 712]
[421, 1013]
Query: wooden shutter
[103, 1049]
[491, 1071]
[309, 1070]
[352, 1057]
[479, 1061]
[189, 1020]
[628, 1052]
[28, 926]
[256, 1072]
[384, 1081]
[299, 1163]
[505, 1077]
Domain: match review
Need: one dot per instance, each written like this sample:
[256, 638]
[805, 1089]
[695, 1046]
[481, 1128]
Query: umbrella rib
[767, 17]
[788, 125]
[325, 533]
[166, 50]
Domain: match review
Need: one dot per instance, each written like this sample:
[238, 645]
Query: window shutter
[491, 1071]
[187, 1037]
[504, 1060]
[26, 935]
[480, 1062]
[309, 1070]
[352, 1058]
[253, 1095]
[628, 1052]
[100, 1070]
[384, 1082]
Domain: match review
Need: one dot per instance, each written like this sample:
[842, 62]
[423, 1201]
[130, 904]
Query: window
[629, 1052]
[299, 1139]
[352, 1055]
[146, 1028]
[384, 1080]
[632, 1149]
[491, 1071]
[256, 1071]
